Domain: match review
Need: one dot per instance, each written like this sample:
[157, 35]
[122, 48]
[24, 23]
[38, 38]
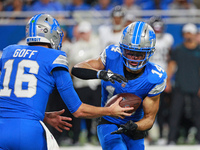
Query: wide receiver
[29, 73]
[145, 79]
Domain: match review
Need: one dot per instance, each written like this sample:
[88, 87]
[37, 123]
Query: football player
[29, 73]
[145, 79]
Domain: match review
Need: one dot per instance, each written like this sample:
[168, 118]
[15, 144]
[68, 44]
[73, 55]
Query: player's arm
[150, 107]
[57, 121]
[89, 111]
[94, 69]
[93, 64]
[77, 108]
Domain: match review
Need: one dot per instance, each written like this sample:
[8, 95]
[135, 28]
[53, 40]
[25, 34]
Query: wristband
[98, 73]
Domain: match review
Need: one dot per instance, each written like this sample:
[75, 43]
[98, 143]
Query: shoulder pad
[61, 59]
[9, 46]
[156, 74]
[113, 51]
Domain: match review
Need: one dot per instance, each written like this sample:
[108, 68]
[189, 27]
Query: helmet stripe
[33, 22]
[31, 25]
[139, 32]
[135, 32]
[125, 31]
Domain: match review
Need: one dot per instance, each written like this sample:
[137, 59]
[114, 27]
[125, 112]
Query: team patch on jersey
[61, 60]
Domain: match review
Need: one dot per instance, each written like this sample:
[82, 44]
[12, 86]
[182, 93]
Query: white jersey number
[20, 78]
[160, 73]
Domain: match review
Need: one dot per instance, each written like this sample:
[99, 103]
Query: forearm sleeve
[84, 73]
[65, 88]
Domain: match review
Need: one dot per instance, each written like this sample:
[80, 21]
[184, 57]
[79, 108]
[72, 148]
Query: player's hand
[118, 111]
[110, 76]
[57, 121]
[128, 128]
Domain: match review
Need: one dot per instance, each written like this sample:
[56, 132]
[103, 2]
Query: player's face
[117, 20]
[134, 55]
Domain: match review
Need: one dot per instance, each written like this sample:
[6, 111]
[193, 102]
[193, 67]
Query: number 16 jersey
[26, 80]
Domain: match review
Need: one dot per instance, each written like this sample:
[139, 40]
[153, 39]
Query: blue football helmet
[137, 45]
[43, 28]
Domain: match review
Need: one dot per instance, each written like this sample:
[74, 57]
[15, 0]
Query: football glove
[129, 128]
[110, 76]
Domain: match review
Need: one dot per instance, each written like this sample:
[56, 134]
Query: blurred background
[91, 25]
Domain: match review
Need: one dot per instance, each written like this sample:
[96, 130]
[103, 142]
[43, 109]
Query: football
[128, 100]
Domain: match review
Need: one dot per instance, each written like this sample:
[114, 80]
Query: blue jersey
[26, 81]
[151, 83]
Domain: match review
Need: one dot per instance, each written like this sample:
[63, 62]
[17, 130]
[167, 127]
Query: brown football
[128, 100]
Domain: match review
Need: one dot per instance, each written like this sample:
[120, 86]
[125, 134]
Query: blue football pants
[21, 134]
[117, 141]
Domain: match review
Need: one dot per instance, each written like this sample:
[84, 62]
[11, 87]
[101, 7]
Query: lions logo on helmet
[137, 44]
[43, 28]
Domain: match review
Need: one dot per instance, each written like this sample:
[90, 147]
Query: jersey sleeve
[59, 60]
[65, 87]
[157, 78]
[159, 88]
[103, 57]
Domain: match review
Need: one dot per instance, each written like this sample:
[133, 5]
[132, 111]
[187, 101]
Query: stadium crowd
[79, 43]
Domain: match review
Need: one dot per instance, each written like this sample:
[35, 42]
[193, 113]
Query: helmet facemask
[135, 58]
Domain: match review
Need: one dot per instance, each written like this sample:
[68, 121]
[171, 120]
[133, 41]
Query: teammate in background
[28, 76]
[145, 79]
[164, 42]
[111, 33]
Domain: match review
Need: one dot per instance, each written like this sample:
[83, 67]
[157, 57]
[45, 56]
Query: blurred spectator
[198, 35]
[77, 5]
[103, 5]
[164, 42]
[185, 62]
[153, 4]
[128, 19]
[182, 4]
[66, 43]
[129, 5]
[111, 33]
[1, 6]
[86, 47]
[197, 3]
[15, 5]
[47, 5]
[117, 2]
[28, 4]
[163, 5]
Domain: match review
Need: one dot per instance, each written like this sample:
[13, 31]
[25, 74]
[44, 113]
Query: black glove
[129, 128]
[110, 76]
